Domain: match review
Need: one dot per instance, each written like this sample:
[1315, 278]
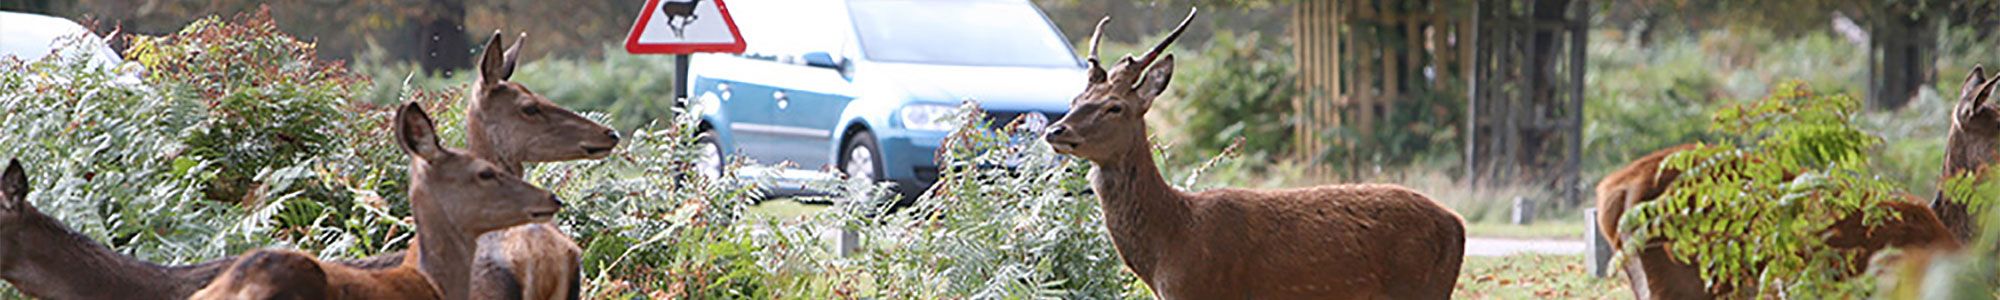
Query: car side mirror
[822, 59]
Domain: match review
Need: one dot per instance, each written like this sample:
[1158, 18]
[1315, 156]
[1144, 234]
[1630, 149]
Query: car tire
[709, 162]
[862, 157]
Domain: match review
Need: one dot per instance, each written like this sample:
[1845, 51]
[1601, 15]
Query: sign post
[683, 27]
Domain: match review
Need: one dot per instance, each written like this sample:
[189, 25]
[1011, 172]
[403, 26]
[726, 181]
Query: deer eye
[531, 110]
[487, 175]
[1115, 109]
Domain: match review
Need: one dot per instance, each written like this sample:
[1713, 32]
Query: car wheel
[861, 158]
[708, 162]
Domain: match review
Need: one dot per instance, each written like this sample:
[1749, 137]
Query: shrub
[1026, 231]
[106, 158]
[267, 100]
[1751, 216]
[1236, 89]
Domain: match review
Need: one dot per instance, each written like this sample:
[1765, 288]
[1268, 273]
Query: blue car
[863, 87]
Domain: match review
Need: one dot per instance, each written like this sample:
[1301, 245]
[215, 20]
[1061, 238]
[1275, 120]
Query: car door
[747, 102]
[809, 107]
[768, 83]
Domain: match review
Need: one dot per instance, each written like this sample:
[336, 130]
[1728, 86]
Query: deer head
[16, 215]
[1107, 121]
[511, 124]
[1975, 126]
[460, 190]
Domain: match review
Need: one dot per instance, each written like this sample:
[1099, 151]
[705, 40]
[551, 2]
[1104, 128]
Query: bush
[1236, 89]
[1027, 231]
[268, 101]
[1751, 217]
[106, 158]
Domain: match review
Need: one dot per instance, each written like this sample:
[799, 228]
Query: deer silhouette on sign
[679, 15]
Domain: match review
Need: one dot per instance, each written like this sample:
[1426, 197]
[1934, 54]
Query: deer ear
[1157, 76]
[493, 66]
[1985, 93]
[14, 183]
[1972, 83]
[417, 134]
[512, 55]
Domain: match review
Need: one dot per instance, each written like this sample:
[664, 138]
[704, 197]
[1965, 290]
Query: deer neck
[51, 261]
[1969, 151]
[446, 250]
[1141, 211]
[480, 142]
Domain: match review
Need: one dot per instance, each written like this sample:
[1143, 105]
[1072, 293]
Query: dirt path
[1475, 246]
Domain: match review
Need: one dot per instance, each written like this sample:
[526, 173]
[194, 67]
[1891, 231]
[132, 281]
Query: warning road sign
[684, 26]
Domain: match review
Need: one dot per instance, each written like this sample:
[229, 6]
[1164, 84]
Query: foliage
[267, 108]
[1231, 92]
[1026, 231]
[105, 157]
[1751, 217]
[650, 224]
[634, 89]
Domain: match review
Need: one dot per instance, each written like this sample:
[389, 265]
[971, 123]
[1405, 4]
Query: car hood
[996, 88]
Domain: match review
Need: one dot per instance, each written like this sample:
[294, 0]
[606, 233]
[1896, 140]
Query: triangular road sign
[684, 26]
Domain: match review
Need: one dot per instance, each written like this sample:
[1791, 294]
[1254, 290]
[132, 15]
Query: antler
[1162, 47]
[1096, 67]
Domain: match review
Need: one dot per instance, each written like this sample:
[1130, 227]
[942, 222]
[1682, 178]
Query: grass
[1534, 276]
[783, 209]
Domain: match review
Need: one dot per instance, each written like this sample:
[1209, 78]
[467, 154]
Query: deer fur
[1654, 274]
[456, 197]
[270, 275]
[1972, 144]
[1356, 241]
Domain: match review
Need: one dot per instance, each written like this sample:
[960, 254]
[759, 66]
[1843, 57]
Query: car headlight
[928, 117]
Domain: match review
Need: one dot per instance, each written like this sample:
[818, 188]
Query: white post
[1599, 253]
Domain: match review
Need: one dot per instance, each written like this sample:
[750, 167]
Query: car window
[783, 30]
[983, 33]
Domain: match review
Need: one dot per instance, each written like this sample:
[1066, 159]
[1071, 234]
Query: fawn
[1351, 241]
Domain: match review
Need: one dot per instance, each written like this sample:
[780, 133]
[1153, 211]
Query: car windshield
[959, 33]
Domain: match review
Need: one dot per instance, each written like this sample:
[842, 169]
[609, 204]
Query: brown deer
[512, 125]
[456, 197]
[508, 125]
[1654, 274]
[1366, 241]
[1972, 144]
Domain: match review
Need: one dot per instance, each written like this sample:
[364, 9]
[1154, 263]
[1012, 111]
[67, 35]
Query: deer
[512, 125]
[1654, 274]
[506, 123]
[455, 196]
[1940, 227]
[1972, 144]
[1358, 240]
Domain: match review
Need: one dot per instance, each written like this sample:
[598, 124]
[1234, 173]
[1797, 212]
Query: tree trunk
[442, 44]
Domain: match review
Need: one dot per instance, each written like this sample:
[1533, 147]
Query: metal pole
[680, 79]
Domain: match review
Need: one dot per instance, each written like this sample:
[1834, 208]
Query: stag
[1364, 241]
